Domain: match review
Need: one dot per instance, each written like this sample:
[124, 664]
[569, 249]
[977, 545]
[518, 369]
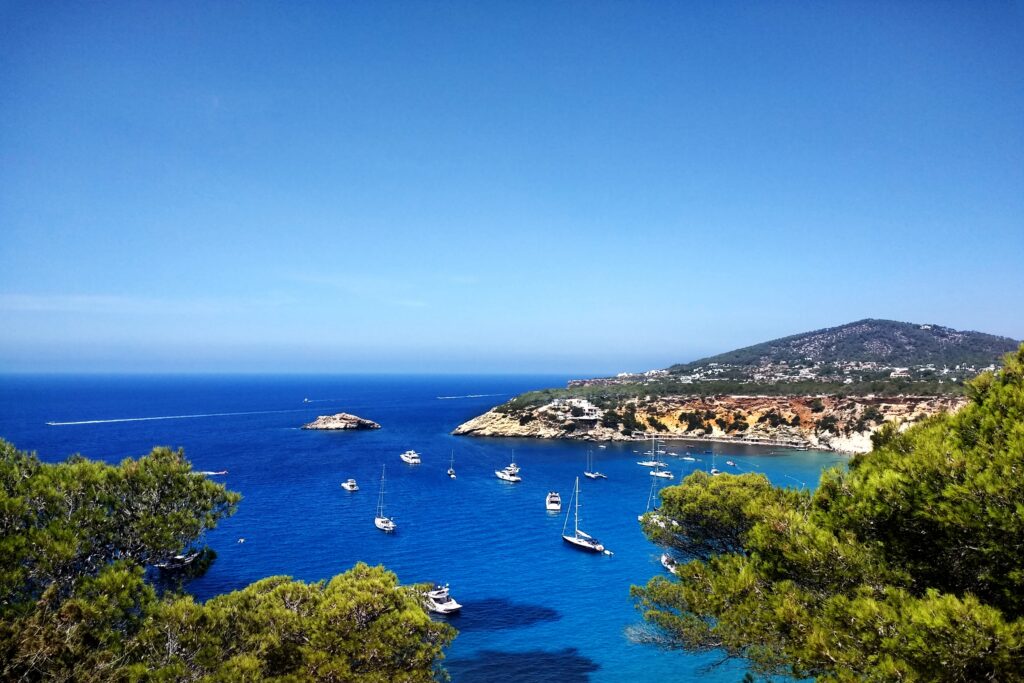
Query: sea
[534, 608]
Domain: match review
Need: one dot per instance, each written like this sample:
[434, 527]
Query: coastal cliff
[341, 421]
[826, 422]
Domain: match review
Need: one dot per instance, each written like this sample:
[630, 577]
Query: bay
[535, 609]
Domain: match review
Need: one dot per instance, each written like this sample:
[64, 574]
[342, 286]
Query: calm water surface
[534, 608]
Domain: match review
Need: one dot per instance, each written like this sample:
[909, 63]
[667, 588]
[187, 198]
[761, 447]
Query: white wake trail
[448, 398]
[169, 417]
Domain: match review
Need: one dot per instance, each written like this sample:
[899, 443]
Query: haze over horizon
[582, 188]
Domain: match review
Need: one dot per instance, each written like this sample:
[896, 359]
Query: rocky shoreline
[341, 421]
[843, 424]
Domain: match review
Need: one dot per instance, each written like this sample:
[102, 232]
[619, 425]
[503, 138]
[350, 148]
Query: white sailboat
[451, 466]
[714, 470]
[590, 472]
[650, 499]
[658, 472]
[579, 538]
[382, 522]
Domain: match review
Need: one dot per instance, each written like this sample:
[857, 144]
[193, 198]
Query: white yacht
[650, 463]
[440, 600]
[553, 502]
[579, 538]
[451, 466]
[669, 563]
[381, 521]
[350, 485]
[688, 458]
[510, 473]
[411, 457]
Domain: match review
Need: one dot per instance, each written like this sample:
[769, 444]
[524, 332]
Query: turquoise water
[535, 609]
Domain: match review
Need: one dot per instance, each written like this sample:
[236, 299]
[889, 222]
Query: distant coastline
[830, 423]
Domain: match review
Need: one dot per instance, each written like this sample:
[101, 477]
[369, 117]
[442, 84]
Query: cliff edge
[824, 422]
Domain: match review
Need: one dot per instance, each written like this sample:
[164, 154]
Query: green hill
[886, 342]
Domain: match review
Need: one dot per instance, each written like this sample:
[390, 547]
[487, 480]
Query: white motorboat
[602, 446]
[510, 473]
[688, 458]
[440, 600]
[590, 472]
[382, 521]
[411, 457]
[730, 463]
[178, 561]
[350, 485]
[669, 562]
[553, 502]
[451, 466]
[579, 538]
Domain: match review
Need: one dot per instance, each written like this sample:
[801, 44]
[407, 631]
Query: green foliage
[75, 605]
[692, 419]
[630, 423]
[611, 419]
[829, 423]
[895, 343]
[63, 522]
[657, 425]
[908, 566]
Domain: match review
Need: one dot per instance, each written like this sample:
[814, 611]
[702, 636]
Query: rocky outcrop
[341, 421]
[826, 422]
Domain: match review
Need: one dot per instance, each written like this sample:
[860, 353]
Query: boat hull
[385, 524]
[587, 544]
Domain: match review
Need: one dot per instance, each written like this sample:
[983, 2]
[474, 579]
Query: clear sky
[579, 187]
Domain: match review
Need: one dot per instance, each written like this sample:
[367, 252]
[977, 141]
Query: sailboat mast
[577, 506]
[566, 522]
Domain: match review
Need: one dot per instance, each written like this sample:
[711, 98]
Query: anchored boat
[382, 521]
[579, 538]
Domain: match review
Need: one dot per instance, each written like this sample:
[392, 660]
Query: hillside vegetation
[907, 566]
[887, 342]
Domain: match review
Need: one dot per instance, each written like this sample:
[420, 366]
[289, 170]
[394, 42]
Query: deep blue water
[534, 608]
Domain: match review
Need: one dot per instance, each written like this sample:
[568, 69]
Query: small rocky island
[341, 421]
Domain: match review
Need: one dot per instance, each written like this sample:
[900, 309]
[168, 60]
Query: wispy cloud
[116, 304]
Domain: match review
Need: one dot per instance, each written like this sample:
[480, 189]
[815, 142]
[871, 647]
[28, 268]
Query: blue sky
[579, 187]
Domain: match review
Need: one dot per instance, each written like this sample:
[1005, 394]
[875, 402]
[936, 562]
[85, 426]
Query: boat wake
[449, 398]
[168, 417]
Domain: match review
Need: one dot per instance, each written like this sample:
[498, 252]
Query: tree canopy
[908, 565]
[75, 603]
